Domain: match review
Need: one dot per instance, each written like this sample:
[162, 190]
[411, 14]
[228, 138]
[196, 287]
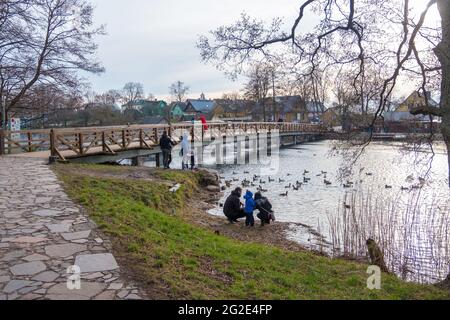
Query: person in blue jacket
[249, 208]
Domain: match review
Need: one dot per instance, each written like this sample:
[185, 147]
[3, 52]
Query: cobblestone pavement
[43, 233]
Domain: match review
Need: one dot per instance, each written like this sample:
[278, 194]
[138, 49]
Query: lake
[411, 225]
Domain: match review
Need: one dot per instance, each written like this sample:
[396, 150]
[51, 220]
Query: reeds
[412, 233]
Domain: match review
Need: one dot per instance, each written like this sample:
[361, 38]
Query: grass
[174, 259]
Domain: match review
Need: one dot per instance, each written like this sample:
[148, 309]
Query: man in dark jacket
[166, 145]
[265, 209]
[232, 207]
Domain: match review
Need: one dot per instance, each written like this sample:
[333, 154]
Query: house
[149, 108]
[315, 111]
[288, 108]
[231, 110]
[198, 107]
[175, 110]
[416, 99]
[401, 120]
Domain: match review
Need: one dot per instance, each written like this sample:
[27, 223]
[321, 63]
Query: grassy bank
[173, 258]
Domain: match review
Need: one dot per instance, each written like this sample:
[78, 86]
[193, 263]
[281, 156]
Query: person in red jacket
[204, 123]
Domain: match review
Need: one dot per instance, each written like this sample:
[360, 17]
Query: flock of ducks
[257, 182]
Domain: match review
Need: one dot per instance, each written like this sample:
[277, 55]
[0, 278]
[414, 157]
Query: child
[249, 208]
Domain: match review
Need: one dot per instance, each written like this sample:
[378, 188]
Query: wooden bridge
[131, 141]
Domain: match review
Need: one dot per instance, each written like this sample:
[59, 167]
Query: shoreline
[192, 212]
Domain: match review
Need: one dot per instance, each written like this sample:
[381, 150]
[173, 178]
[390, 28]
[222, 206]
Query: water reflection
[384, 175]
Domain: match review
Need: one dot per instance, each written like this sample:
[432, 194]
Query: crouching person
[266, 215]
[232, 207]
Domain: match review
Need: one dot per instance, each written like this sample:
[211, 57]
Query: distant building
[147, 107]
[176, 110]
[315, 111]
[231, 110]
[401, 120]
[198, 107]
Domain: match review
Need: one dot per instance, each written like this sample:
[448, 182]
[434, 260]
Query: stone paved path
[43, 233]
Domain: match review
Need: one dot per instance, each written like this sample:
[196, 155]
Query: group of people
[234, 209]
[167, 144]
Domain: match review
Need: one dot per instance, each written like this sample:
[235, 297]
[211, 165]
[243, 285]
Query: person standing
[186, 151]
[166, 145]
[249, 208]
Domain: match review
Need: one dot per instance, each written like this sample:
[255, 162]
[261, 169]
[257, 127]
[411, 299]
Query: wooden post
[155, 134]
[30, 137]
[141, 139]
[80, 143]
[52, 143]
[103, 141]
[124, 141]
[2, 142]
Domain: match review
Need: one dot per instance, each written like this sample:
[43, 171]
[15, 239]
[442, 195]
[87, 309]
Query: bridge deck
[83, 142]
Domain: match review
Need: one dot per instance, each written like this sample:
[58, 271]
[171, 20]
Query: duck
[306, 180]
[369, 174]
[328, 183]
[289, 174]
[280, 180]
[235, 173]
[246, 172]
[347, 206]
[346, 186]
[404, 188]
[324, 172]
[318, 175]
[284, 194]
[235, 179]
[296, 188]
[271, 180]
[261, 181]
[299, 184]
[261, 189]
[305, 172]
[388, 187]
[288, 186]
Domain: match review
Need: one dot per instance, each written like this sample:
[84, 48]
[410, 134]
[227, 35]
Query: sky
[154, 41]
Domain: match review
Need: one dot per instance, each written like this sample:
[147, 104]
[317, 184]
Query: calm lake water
[411, 225]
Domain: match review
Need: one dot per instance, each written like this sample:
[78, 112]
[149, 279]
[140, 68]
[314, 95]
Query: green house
[148, 108]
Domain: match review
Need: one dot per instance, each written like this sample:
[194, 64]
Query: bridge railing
[77, 142]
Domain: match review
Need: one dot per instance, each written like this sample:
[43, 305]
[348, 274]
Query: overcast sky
[154, 41]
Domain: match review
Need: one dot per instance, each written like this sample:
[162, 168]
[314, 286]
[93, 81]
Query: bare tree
[356, 35]
[258, 85]
[178, 90]
[44, 42]
[131, 92]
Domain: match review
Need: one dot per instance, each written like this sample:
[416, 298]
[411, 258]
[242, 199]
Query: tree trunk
[442, 51]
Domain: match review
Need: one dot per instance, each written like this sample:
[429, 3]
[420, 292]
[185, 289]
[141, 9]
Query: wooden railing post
[124, 141]
[52, 143]
[103, 141]
[80, 143]
[2, 142]
[141, 139]
[30, 138]
[155, 134]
